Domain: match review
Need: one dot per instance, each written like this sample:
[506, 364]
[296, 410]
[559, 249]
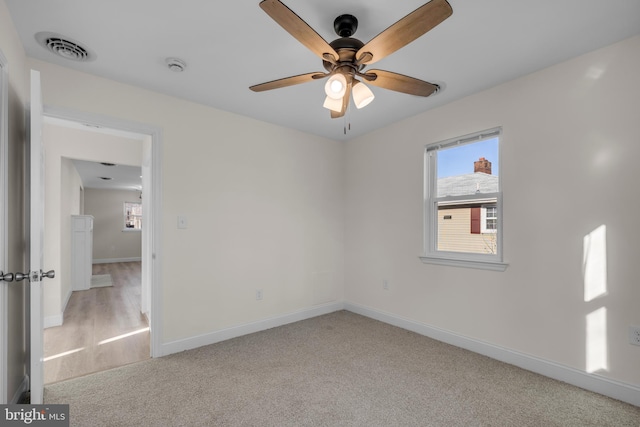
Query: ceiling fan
[346, 57]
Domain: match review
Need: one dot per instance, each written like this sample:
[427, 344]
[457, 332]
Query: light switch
[182, 222]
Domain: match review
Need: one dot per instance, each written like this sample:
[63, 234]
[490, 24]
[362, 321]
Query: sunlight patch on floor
[119, 337]
[66, 353]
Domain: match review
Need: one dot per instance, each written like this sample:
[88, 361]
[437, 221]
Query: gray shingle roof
[470, 183]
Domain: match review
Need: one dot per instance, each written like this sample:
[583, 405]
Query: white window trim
[483, 221]
[430, 253]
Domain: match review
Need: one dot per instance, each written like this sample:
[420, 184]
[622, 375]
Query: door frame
[153, 256]
[4, 197]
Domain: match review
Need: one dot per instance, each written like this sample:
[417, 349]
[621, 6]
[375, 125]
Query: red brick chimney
[483, 165]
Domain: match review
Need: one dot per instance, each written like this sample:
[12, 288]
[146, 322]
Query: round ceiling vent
[65, 47]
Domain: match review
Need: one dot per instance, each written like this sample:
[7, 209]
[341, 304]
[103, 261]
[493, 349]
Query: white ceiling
[231, 45]
[120, 177]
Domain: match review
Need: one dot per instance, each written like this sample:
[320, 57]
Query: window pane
[456, 231]
[133, 215]
[468, 169]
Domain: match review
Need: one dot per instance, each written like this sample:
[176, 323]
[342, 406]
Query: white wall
[264, 206]
[569, 164]
[70, 185]
[109, 241]
[61, 144]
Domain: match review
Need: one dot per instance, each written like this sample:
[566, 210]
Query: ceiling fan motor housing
[346, 47]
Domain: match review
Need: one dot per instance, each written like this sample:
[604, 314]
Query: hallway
[103, 327]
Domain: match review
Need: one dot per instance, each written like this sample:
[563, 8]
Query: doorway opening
[102, 326]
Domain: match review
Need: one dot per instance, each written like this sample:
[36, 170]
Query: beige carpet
[341, 369]
[101, 281]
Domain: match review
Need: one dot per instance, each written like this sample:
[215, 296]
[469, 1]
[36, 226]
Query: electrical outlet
[634, 335]
[258, 294]
[385, 284]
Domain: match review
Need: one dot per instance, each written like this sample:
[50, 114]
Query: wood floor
[103, 327]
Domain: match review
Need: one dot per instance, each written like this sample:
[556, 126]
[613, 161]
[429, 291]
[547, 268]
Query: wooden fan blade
[345, 100]
[297, 28]
[401, 83]
[406, 30]
[287, 81]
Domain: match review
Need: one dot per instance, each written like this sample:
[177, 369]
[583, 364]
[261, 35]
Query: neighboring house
[463, 225]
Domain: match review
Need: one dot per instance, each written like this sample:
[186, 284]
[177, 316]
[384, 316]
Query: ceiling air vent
[65, 47]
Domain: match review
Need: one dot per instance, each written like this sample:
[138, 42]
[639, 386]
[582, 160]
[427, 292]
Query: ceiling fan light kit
[362, 95]
[333, 104]
[346, 57]
[336, 86]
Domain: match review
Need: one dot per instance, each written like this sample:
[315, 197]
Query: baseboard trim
[592, 382]
[248, 328]
[66, 301]
[55, 320]
[114, 260]
[24, 386]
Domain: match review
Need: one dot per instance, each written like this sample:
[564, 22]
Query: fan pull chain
[347, 120]
[347, 126]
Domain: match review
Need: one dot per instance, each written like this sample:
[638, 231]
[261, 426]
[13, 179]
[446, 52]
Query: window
[463, 202]
[132, 216]
[489, 219]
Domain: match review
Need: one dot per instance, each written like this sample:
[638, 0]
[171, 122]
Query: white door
[4, 291]
[36, 213]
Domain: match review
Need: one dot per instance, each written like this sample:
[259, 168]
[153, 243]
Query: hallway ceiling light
[176, 65]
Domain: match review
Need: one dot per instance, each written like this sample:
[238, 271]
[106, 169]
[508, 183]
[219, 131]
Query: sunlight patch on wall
[597, 351]
[595, 72]
[594, 263]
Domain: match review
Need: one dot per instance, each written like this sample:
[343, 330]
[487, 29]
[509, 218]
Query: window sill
[481, 265]
[129, 230]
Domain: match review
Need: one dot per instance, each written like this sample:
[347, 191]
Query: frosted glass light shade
[362, 95]
[336, 86]
[332, 104]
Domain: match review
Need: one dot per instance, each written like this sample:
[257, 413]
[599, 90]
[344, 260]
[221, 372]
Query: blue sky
[459, 160]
